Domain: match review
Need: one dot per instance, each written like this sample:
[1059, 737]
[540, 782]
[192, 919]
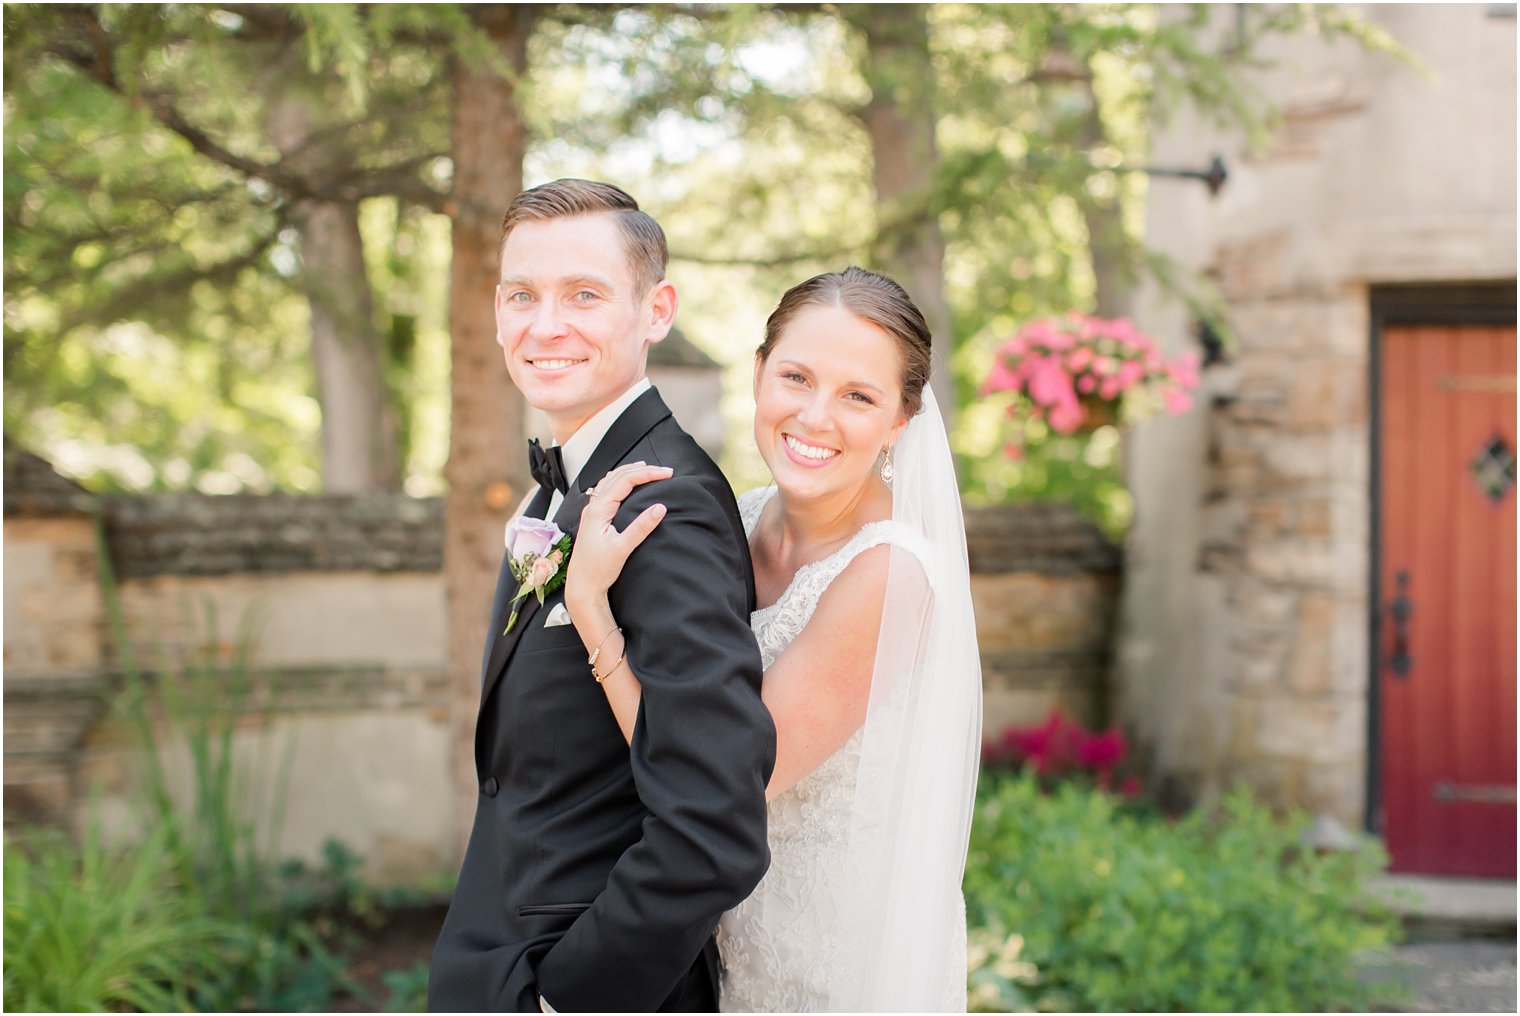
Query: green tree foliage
[153, 224]
[741, 126]
[748, 125]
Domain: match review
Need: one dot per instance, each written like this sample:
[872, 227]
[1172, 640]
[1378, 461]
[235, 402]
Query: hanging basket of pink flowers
[1078, 373]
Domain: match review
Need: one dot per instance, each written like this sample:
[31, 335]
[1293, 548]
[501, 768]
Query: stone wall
[1243, 654]
[337, 606]
[1045, 587]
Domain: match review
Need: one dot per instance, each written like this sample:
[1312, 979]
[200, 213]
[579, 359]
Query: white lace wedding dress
[781, 946]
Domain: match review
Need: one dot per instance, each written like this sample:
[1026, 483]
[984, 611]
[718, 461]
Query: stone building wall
[338, 604]
[1244, 652]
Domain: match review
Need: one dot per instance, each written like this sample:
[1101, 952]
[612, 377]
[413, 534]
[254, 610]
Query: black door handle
[1400, 609]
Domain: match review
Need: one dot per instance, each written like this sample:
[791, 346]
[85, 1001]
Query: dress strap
[811, 580]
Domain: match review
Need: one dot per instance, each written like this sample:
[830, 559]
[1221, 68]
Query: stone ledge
[205, 534]
[1047, 537]
[34, 488]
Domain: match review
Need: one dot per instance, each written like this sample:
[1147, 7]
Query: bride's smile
[828, 398]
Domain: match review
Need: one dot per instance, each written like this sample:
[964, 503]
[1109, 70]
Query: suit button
[490, 786]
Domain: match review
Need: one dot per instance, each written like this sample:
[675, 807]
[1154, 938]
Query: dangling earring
[886, 464]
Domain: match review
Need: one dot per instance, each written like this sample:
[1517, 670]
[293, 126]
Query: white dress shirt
[582, 444]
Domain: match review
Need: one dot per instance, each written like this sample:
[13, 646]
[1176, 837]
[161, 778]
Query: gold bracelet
[603, 677]
[591, 660]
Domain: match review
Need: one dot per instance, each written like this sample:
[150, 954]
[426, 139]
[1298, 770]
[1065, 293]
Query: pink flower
[1034, 742]
[1122, 330]
[1057, 361]
[1014, 451]
[1037, 333]
[1051, 385]
[1002, 378]
[1066, 417]
[1101, 752]
[1185, 370]
[1176, 401]
[542, 571]
[1060, 340]
[526, 536]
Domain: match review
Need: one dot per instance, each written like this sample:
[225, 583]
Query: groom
[597, 870]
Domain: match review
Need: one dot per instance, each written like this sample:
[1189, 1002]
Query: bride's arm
[818, 689]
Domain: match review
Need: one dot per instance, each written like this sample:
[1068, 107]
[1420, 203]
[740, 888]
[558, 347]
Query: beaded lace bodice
[780, 947]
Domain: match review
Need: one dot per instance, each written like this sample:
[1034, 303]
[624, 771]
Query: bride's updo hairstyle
[871, 297]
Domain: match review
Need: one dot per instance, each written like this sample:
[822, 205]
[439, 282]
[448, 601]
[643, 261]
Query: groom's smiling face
[573, 325]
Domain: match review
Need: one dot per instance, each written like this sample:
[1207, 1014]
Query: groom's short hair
[643, 239]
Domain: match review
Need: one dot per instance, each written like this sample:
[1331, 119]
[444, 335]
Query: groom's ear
[662, 303]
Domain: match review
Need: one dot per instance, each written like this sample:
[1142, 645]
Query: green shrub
[1117, 909]
[408, 988]
[92, 929]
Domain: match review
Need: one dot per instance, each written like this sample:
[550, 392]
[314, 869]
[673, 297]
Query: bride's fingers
[598, 490]
[615, 487]
[640, 528]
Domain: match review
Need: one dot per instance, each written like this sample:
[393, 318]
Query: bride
[869, 646]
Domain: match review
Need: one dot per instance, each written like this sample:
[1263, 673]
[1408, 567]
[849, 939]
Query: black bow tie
[547, 467]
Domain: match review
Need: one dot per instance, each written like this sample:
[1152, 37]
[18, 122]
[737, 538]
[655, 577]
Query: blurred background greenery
[201, 201]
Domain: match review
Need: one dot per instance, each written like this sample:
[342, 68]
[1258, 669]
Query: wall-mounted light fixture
[1213, 178]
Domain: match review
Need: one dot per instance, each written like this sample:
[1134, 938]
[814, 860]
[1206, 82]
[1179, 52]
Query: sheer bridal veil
[902, 912]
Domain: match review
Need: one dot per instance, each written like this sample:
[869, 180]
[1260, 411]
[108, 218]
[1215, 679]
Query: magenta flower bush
[1072, 371]
[1061, 748]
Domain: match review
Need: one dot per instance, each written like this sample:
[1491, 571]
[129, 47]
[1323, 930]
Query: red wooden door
[1447, 631]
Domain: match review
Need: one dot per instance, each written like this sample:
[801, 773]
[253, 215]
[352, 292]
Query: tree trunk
[1107, 245]
[359, 447]
[359, 440]
[900, 122]
[487, 467]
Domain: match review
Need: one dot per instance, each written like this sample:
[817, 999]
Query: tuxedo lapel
[498, 645]
[637, 420]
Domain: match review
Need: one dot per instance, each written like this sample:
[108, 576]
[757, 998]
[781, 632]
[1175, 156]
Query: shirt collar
[583, 442]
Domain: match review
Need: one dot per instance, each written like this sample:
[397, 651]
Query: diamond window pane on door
[1494, 469]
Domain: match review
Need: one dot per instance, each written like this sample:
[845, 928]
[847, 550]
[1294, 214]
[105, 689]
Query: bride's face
[827, 400]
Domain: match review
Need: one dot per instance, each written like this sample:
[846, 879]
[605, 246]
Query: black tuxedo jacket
[596, 871]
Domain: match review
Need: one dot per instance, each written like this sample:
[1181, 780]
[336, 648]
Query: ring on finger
[590, 493]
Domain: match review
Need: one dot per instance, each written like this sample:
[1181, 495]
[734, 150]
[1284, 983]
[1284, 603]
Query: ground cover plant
[1082, 899]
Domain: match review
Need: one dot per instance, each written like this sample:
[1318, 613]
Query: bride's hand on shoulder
[600, 550]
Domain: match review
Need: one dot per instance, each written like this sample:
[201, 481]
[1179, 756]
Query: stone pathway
[1459, 975]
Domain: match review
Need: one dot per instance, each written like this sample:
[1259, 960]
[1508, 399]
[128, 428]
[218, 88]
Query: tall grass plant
[96, 929]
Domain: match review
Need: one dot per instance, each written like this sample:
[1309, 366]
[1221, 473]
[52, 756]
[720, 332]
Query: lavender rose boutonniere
[538, 553]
